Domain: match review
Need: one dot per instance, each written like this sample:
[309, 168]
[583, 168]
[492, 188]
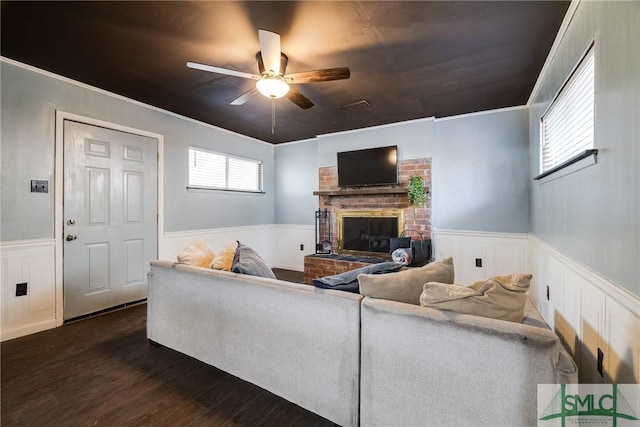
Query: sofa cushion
[224, 259]
[247, 261]
[406, 285]
[196, 253]
[499, 297]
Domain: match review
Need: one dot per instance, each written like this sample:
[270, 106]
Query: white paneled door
[110, 217]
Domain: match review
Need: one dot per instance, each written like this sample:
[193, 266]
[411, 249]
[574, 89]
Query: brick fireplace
[336, 200]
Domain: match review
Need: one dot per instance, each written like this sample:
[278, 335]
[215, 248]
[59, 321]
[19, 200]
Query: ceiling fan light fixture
[272, 87]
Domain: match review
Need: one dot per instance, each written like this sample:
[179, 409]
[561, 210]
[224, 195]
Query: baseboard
[9, 333]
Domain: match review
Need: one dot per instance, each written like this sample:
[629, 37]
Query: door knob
[71, 237]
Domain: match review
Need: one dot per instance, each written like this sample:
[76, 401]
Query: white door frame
[58, 216]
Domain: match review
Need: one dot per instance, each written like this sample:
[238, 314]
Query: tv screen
[373, 166]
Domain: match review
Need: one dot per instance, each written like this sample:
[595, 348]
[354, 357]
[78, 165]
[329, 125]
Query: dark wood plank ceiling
[409, 59]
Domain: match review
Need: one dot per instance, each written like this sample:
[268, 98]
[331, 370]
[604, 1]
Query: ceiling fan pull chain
[273, 116]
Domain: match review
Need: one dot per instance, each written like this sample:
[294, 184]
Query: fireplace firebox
[368, 231]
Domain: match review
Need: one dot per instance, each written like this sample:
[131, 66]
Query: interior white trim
[481, 113]
[571, 11]
[122, 98]
[425, 119]
[486, 234]
[32, 328]
[29, 243]
[297, 142]
[58, 216]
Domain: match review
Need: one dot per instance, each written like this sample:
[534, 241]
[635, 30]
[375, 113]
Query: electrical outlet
[21, 289]
[478, 262]
[39, 186]
[301, 247]
[547, 292]
[600, 362]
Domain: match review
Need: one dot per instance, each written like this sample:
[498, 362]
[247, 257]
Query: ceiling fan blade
[242, 99]
[212, 69]
[270, 48]
[284, 60]
[319, 75]
[299, 99]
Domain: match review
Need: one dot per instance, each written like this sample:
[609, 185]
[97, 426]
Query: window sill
[574, 164]
[223, 190]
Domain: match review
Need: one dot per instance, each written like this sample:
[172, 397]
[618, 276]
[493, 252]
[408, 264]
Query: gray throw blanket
[348, 281]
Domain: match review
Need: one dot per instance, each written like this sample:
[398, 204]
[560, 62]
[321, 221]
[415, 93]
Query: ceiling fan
[272, 81]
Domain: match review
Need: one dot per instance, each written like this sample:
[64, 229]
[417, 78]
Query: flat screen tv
[372, 166]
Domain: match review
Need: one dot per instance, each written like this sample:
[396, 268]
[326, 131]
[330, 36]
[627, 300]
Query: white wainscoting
[288, 239]
[499, 253]
[31, 262]
[588, 312]
[277, 244]
[259, 237]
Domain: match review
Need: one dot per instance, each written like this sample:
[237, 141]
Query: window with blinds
[218, 171]
[567, 127]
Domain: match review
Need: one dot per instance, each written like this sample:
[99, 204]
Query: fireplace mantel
[363, 191]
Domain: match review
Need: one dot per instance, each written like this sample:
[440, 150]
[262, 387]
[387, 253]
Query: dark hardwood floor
[101, 371]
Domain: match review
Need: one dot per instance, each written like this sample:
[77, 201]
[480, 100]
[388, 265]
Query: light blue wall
[480, 172]
[593, 215]
[414, 140]
[297, 164]
[296, 180]
[29, 102]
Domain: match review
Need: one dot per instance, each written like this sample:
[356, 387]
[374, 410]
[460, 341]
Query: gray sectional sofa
[357, 360]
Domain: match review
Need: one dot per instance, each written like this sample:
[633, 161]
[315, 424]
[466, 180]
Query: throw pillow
[196, 253]
[499, 297]
[224, 259]
[406, 285]
[247, 261]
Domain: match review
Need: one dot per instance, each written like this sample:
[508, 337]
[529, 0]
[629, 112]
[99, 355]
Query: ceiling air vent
[355, 105]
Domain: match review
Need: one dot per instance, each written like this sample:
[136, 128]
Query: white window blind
[222, 172]
[567, 127]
